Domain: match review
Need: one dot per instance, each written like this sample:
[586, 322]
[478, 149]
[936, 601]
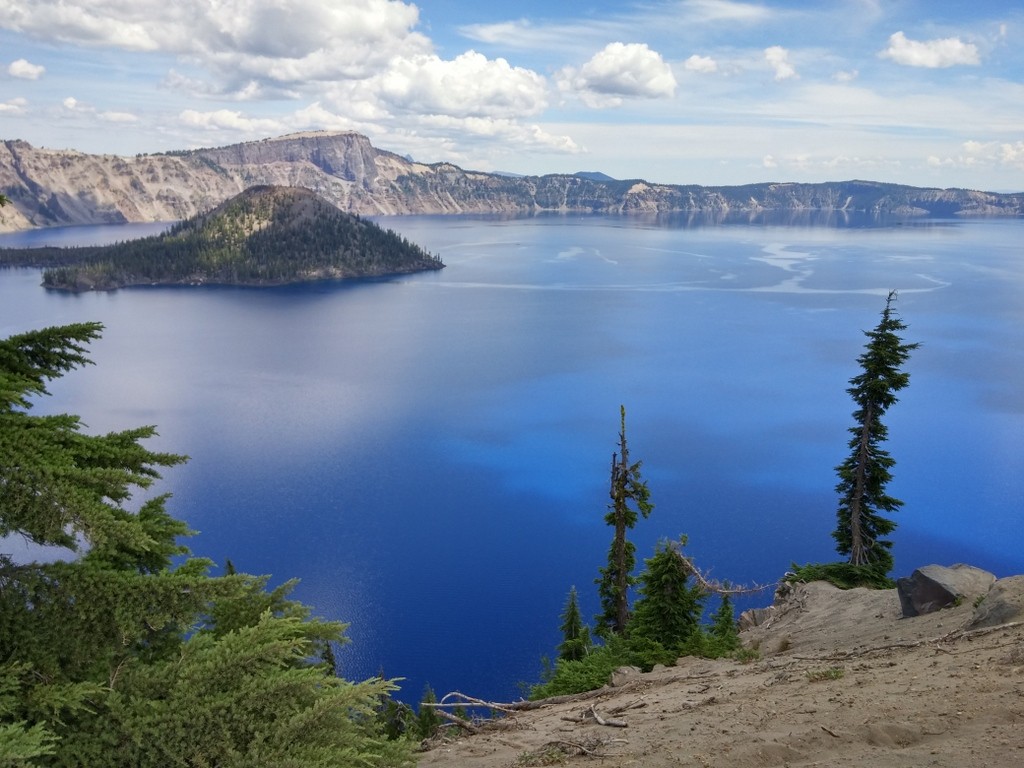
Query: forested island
[267, 235]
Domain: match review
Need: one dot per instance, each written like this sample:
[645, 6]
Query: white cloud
[118, 117]
[769, 162]
[987, 153]
[469, 85]
[620, 70]
[236, 41]
[846, 76]
[724, 10]
[231, 120]
[525, 136]
[25, 70]
[703, 64]
[778, 58]
[71, 104]
[946, 52]
[526, 35]
[13, 106]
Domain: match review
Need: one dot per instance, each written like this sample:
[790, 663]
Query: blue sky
[924, 92]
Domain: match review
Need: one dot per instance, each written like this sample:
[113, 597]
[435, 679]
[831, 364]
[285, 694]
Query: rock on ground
[935, 587]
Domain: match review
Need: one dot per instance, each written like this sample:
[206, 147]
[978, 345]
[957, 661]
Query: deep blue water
[430, 454]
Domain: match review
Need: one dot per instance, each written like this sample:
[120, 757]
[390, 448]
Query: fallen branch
[714, 586]
[466, 701]
[591, 751]
[461, 722]
[607, 721]
[635, 704]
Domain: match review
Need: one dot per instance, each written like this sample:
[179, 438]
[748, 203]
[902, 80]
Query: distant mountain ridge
[64, 187]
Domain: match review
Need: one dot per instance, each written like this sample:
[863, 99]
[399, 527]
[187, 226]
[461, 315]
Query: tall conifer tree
[863, 503]
[629, 497]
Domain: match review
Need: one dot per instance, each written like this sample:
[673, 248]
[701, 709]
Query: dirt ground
[842, 680]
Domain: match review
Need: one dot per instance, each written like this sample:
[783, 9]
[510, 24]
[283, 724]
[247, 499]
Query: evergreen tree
[668, 610]
[724, 631]
[575, 635]
[629, 497]
[121, 658]
[427, 719]
[863, 476]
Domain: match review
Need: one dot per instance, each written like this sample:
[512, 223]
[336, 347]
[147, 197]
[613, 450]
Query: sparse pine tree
[575, 643]
[629, 497]
[864, 475]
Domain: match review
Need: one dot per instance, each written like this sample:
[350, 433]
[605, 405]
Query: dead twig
[607, 721]
[714, 586]
[461, 722]
[635, 704]
[456, 699]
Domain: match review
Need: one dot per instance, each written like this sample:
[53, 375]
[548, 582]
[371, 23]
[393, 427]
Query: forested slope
[263, 236]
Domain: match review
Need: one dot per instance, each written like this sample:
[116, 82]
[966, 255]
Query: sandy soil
[842, 680]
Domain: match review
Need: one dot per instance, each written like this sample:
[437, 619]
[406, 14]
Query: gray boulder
[1003, 603]
[755, 617]
[624, 675]
[935, 587]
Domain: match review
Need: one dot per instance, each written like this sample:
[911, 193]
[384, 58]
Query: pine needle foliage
[669, 609]
[576, 642]
[630, 498]
[862, 522]
[130, 654]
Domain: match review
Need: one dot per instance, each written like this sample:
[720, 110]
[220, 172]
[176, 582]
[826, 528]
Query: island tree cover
[263, 236]
[130, 653]
[629, 497]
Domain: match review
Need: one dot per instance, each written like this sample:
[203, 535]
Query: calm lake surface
[430, 454]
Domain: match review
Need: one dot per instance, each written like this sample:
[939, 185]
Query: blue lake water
[429, 454]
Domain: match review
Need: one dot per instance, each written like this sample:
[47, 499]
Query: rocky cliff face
[62, 187]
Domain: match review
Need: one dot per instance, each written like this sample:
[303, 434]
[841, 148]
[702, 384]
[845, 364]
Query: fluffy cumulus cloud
[471, 85]
[351, 64]
[235, 41]
[945, 52]
[25, 70]
[778, 58]
[621, 70]
[704, 64]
